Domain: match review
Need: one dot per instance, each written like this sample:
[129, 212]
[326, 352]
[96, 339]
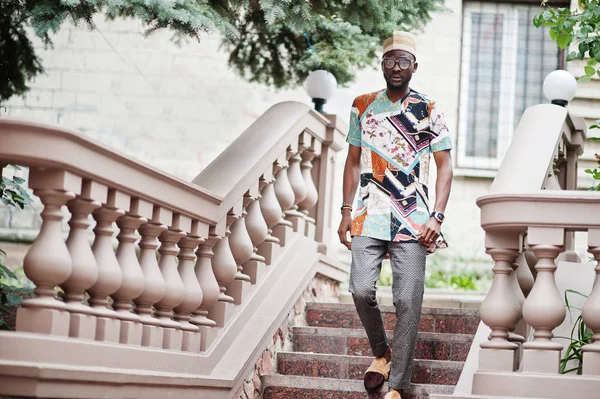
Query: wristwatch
[439, 216]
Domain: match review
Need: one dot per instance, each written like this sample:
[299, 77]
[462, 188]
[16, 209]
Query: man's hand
[429, 232]
[345, 226]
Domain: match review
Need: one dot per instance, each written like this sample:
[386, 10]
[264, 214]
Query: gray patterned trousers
[408, 271]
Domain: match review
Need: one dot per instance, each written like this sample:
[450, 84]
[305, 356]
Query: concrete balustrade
[171, 268]
[529, 218]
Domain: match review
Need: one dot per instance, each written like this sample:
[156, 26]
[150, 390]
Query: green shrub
[12, 288]
[455, 278]
[580, 336]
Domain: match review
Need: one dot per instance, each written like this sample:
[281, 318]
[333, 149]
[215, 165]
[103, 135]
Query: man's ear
[415, 67]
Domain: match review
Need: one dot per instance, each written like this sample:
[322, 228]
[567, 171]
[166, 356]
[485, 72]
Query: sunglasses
[390, 63]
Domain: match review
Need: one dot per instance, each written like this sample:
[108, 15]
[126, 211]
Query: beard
[401, 86]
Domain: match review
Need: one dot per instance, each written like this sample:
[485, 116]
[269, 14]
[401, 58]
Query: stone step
[295, 387]
[338, 341]
[433, 297]
[439, 320]
[439, 372]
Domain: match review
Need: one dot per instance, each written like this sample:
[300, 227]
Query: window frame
[508, 82]
[508, 73]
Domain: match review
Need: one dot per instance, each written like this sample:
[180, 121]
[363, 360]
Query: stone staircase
[331, 354]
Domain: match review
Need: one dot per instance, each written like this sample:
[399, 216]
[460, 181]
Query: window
[504, 62]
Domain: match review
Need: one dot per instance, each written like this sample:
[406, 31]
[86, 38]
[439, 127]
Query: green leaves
[538, 20]
[5, 272]
[580, 336]
[13, 193]
[589, 71]
[595, 173]
[563, 40]
[560, 23]
[578, 27]
[12, 291]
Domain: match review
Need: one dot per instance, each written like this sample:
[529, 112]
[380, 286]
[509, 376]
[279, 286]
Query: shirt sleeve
[440, 134]
[354, 137]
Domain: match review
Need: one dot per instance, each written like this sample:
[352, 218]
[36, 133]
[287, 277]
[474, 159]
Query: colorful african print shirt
[396, 141]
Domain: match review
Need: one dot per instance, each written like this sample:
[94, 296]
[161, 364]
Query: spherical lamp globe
[320, 85]
[560, 87]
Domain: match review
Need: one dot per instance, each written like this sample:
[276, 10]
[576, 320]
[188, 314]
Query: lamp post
[320, 85]
[560, 87]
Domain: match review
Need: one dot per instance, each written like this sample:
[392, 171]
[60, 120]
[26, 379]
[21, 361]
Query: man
[392, 134]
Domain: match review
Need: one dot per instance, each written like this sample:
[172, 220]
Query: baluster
[325, 180]
[210, 288]
[133, 282]
[240, 242]
[174, 288]
[285, 197]
[271, 210]
[500, 310]
[208, 282]
[544, 309]
[109, 271]
[224, 268]
[258, 230]
[524, 276]
[300, 191]
[518, 334]
[154, 289]
[48, 262]
[85, 268]
[531, 262]
[591, 311]
[223, 262]
[242, 249]
[312, 196]
[193, 291]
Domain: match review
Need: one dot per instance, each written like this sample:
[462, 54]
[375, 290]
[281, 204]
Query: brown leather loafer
[392, 395]
[377, 373]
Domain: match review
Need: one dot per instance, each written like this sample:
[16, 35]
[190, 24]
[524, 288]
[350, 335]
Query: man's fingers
[425, 235]
[343, 234]
[429, 235]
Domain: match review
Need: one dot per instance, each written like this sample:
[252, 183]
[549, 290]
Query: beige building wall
[586, 104]
[177, 107]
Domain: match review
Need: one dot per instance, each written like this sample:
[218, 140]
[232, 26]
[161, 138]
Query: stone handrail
[193, 281]
[542, 153]
[529, 218]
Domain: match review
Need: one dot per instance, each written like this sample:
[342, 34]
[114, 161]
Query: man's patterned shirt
[396, 140]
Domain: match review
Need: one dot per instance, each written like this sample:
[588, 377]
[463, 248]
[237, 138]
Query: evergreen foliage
[276, 42]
